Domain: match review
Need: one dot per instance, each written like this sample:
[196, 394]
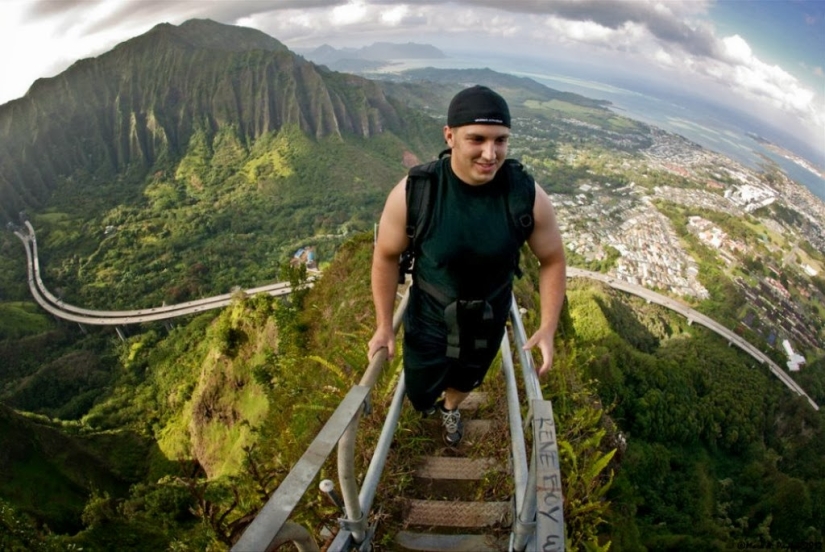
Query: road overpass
[58, 308]
[695, 316]
[65, 311]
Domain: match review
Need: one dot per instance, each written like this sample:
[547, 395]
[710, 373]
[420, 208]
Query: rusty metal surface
[450, 543]
[473, 401]
[445, 467]
[441, 513]
[475, 429]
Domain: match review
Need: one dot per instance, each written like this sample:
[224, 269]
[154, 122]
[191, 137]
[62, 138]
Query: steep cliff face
[138, 105]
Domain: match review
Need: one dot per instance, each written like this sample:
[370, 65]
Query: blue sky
[791, 34]
[764, 57]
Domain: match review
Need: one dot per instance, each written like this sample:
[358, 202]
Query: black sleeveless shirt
[469, 249]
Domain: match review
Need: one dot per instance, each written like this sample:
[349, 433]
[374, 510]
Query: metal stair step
[449, 543]
[474, 429]
[442, 513]
[446, 467]
[473, 401]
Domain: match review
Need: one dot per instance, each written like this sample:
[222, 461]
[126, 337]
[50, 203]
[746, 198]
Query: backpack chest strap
[457, 309]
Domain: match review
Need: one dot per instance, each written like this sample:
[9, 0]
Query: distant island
[787, 154]
[367, 58]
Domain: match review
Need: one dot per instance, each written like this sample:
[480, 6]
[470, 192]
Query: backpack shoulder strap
[521, 199]
[419, 190]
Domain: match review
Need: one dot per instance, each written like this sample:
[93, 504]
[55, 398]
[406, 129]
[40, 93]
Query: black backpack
[421, 184]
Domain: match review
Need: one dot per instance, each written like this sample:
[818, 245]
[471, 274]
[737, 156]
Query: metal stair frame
[538, 521]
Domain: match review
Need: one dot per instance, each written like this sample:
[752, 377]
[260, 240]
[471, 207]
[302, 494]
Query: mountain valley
[197, 159]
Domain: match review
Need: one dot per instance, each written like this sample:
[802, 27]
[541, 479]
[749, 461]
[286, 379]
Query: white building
[794, 360]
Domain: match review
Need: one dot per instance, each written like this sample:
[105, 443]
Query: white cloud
[395, 15]
[353, 12]
[664, 36]
[662, 57]
[586, 32]
[43, 47]
[739, 69]
[737, 50]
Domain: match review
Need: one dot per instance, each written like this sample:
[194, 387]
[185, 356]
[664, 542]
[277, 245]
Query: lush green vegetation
[714, 443]
[686, 451]
[172, 438]
[18, 319]
[224, 217]
[13, 286]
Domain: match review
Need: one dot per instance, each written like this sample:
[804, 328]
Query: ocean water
[709, 130]
[707, 126]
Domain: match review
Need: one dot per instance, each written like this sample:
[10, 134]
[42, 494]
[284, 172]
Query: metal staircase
[445, 510]
[444, 483]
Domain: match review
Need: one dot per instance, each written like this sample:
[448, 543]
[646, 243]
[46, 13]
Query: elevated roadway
[32, 241]
[695, 316]
[58, 308]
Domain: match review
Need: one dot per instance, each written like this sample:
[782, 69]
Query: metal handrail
[528, 371]
[538, 519]
[523, 528]
[533, 524]
[265, 529]
[358, 504]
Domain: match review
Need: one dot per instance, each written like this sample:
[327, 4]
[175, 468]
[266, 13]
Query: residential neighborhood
[624, 225]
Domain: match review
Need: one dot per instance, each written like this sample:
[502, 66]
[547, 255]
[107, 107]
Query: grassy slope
[50, 473]
[206, 392]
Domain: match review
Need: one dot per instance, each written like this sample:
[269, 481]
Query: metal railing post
[548, 503]
[540, 526]
[376, 467]
[523, 528]
[356, 521]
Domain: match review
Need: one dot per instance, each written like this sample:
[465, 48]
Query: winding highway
[57, 307]
[699, 318]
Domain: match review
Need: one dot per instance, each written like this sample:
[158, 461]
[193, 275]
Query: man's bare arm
[546, 244]
[391, 241]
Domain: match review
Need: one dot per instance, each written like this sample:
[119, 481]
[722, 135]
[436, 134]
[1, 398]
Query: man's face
[478, 151]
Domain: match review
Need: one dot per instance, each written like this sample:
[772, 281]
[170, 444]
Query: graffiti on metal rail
[549, 499]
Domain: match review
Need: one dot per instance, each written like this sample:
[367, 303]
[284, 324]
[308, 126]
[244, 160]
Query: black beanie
[478, 105]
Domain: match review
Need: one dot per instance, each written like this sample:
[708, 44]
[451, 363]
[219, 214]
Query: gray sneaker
[453, 426]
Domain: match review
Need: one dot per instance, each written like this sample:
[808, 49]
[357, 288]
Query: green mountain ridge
[137, 106]
[516, 89]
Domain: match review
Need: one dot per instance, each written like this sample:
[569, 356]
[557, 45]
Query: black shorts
[427, 369]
